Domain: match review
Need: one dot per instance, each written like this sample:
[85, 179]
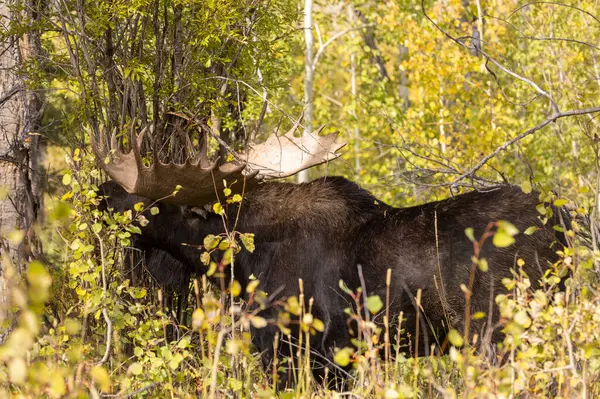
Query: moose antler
[200, 178]
[283, 156]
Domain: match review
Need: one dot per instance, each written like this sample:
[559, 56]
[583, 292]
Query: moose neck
[278, 214]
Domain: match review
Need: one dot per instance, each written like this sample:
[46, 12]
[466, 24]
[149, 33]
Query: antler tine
[136, 145]
[297, 123]
[203, 159]
[140, 137]
[113, 140]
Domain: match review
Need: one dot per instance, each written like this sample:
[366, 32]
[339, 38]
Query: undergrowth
[88, 324]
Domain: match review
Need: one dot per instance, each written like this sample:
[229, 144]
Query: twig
[323, 46]
[104, 311]
[213, 377]
[132, 394]
[10, 94]
[533, 3]
[528, 132]
[561, 39]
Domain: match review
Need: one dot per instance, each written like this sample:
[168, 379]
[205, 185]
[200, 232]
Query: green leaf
[211, 242]
[530, 230]
[218, 208]
[455, 338]
[174, 363]
[469, 232]
[508, 227]
[344, 287]
[183, 342]
[100, 377]
[522, 319]
[478, 315]
[136, 368]
[318, 325]
[374, 304]
[97, 227]
[526, 187]
[541, 208]
[227, 256]
[67, 178]
[502, 239]
[258, 322]
[235, 289]
[252, 286]
[560, 202]
[248, 241]
[483, 265]
[343, 356]
[211, 269]
[154, 211]
[138, 293]
[205, 258]
[134, 229]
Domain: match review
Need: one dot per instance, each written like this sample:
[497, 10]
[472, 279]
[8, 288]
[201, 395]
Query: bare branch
[107, 319]
[323, 46]
[493, 61]
[555, 4]
[12, 92]
[561, 39]
[528, 132]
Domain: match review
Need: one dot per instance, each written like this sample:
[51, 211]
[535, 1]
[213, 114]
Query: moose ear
[197, 210]
[193, 211]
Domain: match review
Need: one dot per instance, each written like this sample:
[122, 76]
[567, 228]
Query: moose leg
[183, 304]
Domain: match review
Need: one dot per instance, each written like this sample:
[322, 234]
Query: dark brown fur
[320, 231]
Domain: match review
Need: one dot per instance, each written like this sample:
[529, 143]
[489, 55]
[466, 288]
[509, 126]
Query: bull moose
[321, 231]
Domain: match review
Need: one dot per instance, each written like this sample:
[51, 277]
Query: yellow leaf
[342, 356]
[136, 369]
[258, 322]
[502, 239]
[218, 208]
[522, 319]
[526, 187]
[67, 178]
[101, 378]
[455, 338]
[252, 286]
[17, 370]
[236, 288]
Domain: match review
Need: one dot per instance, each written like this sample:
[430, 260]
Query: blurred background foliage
[416, 109]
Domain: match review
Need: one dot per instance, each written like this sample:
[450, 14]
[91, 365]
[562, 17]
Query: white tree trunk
[308, 78]
[354, 92]
[19, 189]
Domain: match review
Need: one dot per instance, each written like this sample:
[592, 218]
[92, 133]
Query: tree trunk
[302, 177]
[19, 161]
